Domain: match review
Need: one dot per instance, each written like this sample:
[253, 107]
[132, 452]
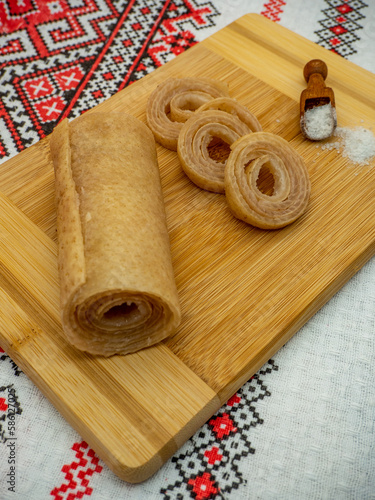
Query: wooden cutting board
[244, 292]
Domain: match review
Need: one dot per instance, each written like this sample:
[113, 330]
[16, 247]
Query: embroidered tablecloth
[303, 426]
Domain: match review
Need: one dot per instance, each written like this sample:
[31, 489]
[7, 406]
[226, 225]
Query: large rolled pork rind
[118, 292]
[193, 146]
[291, 183]
[174, 101]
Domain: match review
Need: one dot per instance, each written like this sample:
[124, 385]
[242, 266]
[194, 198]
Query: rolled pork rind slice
[291, 183]
[117, 288]
[167, 110]
[184, 104]
[235, 108]
[193, 146]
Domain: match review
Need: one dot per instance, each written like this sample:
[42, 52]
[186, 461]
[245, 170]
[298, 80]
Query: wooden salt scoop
[318, 118]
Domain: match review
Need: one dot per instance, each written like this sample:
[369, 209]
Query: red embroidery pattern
[213, 455]
[203, 487]
[60, 60]
[170, 40]
[208, 466]
[273, 9]
[222, 425]
[3, 404]
[340, 26]
[78, 474]
[233, 400]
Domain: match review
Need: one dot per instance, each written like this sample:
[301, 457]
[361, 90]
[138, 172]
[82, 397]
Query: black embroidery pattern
[5, 358]
[217, 449]
[340, 26]
[9, 408]
[61, 60]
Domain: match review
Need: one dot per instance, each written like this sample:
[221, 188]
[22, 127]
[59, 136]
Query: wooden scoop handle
[315, 66]
[316, 94]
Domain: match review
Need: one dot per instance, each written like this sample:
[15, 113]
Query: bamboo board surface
[244, 292]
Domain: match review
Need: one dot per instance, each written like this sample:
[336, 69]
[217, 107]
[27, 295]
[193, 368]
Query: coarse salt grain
[357, 144]
[319, 122]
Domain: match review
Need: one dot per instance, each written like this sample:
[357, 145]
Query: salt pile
[319, 122]
[357, 144]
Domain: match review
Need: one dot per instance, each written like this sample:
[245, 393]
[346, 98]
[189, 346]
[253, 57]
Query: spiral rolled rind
[291, 189]
[235, 108]
[182, 105]
[119, 321]
[167, 110]
[194, 140]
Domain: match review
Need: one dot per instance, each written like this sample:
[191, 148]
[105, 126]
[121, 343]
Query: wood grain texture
[244, 291]
[106, 400]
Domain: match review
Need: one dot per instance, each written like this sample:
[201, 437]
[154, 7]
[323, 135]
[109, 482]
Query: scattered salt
[357, 144]
[319, 122]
